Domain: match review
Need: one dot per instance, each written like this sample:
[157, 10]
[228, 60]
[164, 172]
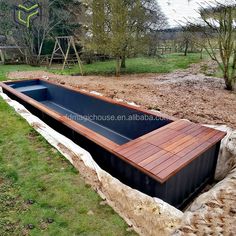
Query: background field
[164, 64]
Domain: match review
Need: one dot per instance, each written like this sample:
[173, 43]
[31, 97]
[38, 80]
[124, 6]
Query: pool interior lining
[116, 130]
[114, 136]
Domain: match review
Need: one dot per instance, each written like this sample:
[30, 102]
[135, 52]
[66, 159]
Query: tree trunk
[186, 49]
[233, 74]
[228, 86]
[228, 82]
[123, 62]
[2, 56]
[118, 65]
[201, 56]
[234, 85]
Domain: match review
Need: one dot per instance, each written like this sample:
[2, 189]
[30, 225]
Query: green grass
[164, 64]
[4, 69]
[40, 192]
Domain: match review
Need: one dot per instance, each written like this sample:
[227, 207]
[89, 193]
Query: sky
[178, 10]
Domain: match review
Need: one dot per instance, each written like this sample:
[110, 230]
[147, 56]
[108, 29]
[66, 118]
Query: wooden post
[2, 56]
[77, 56]
[65, 55]
[53, 53]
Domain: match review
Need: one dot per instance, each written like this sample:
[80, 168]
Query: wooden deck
[165, 151]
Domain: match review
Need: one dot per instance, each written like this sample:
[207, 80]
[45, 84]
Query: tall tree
[187, 37]
[220, 33]
[121, 27]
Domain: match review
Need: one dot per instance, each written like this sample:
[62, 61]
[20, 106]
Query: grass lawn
[165, 64]
[4, 69]
[40, 192]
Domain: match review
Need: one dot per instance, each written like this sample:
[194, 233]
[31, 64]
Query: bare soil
[187, 94]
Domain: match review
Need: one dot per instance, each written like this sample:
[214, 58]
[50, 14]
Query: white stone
[96, 93]
[227, 155]
[133, 104]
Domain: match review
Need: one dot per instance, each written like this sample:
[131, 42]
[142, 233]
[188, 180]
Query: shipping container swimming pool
[156, 154]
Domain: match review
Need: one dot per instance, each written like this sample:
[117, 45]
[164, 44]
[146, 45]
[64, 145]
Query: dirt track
[185, 94]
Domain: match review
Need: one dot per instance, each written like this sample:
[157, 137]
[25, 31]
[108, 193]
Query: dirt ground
[184, 93]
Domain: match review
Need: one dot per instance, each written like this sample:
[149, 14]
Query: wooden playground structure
[62, 51]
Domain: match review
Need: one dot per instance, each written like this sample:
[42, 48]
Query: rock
[130, 229]
[90, 213]
[30, 226]
[45, 77]
[30, 201]
[227, 155]
[103, 203]
[50, 220]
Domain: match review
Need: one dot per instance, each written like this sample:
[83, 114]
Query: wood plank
[152, 158]
[157, 132]
[131, 147]
[180, 135]
[216, 138]
[198, 139]
[162, 138]
[144, 152]
[159, 158]
[190, 128]
[162, 129]
[179, 143]
[179, 164]
[171, 140]
[178, 126]
[140, 158]
[162, 166]
[193, 132]
[200, 129]
[177, 123]
[139, 148]
[126, 145]
[184, 151]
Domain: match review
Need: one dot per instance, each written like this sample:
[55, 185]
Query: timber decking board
[163, 152]
[154, 157]
[142, 157]
[150, 148]
[160, 158]
[136, 148]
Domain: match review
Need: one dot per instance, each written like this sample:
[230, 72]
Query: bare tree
[58, 17]
[186, 37]
[219, 32]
